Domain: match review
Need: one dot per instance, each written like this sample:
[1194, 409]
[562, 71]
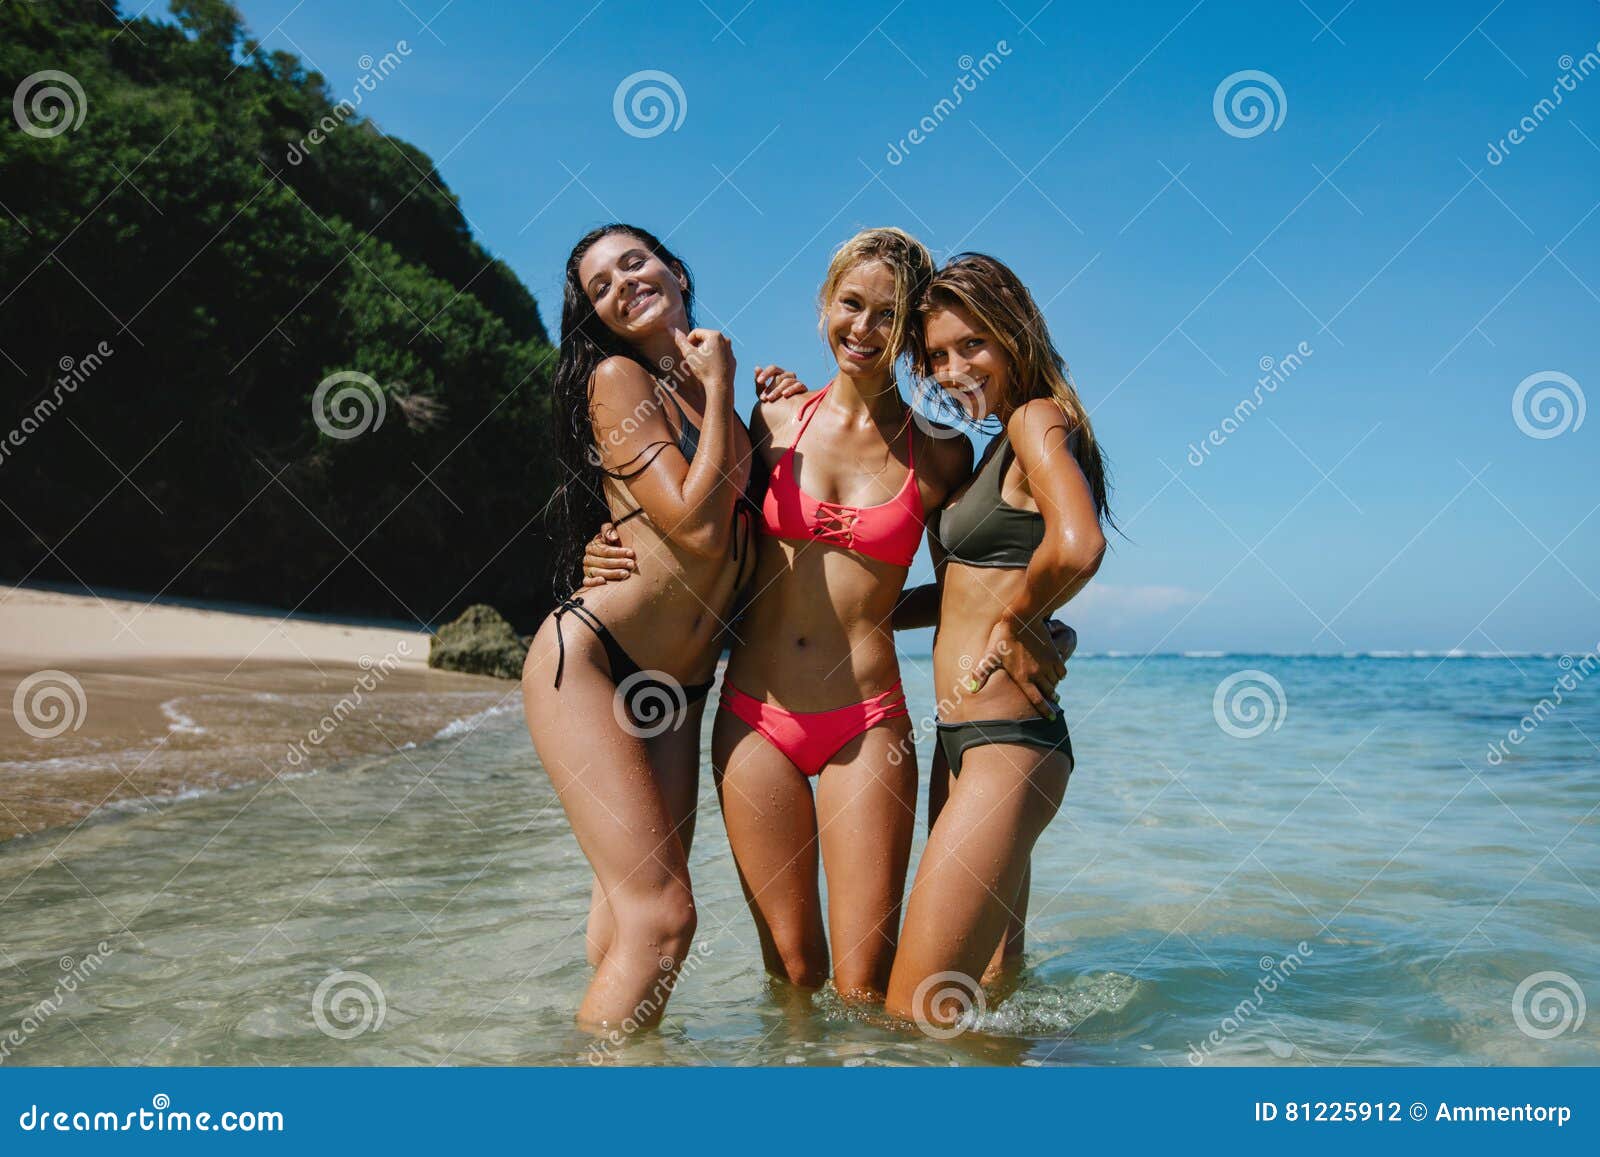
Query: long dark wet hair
[579, 506]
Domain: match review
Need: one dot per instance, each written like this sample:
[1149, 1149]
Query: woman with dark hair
[1019, 540]
[615, 680]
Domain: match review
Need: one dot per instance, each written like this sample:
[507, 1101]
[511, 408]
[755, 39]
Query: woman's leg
[939, 781]
[772, 828]
[1007, 957]
[972, 872]
[601, 927]
[867, 814]
[675, 760]
[604, 779]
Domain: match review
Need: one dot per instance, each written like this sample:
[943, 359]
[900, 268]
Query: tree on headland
[213, 22]
[182, 268]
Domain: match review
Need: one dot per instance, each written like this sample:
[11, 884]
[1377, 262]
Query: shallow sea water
[1362, 852]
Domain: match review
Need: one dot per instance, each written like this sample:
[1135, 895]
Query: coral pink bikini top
[888, 532]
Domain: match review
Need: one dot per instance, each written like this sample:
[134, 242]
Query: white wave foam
[1047, 1009]
[143, 804]
[178, 721]
[1409, 655]
[470, 723]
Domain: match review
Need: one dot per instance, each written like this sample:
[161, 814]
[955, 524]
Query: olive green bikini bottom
[1049, 734]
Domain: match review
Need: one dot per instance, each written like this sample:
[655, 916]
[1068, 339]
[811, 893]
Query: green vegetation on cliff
[182, 267]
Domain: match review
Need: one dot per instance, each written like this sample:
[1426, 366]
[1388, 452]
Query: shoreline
[118, 704]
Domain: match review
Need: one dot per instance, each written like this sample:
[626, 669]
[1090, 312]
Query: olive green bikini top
[980, 528]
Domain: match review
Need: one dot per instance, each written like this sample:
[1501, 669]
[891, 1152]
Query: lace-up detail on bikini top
[889, 532]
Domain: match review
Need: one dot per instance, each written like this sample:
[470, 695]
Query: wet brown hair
[987, 289]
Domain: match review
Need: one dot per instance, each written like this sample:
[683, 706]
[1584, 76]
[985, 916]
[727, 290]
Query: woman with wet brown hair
[1019, 540]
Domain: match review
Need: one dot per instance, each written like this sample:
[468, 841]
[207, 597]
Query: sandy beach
[119, 705]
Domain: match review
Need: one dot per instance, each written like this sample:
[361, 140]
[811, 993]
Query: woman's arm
[918, 607]
[949, 455]
[1062, 564]
[1073, 544]
[605, 559]
[690, 502]
[708, 485]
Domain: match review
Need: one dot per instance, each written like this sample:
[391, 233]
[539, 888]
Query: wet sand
[118, 706]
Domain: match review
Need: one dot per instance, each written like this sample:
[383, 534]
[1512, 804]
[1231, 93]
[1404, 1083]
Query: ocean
[1261, 860]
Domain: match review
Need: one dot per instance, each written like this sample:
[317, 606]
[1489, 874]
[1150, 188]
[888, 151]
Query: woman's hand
[709, 356]
[1064, 637]
[606, 560]
[775, 382]
[1033, 663]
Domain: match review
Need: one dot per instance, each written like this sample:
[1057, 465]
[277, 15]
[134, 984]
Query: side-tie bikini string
[573, 605]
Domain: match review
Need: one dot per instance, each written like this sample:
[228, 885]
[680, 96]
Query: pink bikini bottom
[811, 738]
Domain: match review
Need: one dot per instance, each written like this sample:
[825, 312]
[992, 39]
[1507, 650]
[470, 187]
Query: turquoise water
[1362, 853]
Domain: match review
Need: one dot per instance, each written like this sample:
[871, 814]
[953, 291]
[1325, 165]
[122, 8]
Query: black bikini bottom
[653, 701]
[1048, 734]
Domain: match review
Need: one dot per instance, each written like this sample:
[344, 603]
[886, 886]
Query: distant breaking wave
[1454, 654]
[178, 721]
[469, 723]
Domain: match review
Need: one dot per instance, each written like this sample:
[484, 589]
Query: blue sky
[1383, 496]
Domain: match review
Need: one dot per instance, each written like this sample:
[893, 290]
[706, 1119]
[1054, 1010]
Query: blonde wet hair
[906, 258]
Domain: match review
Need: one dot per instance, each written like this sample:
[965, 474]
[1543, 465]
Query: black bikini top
[979, 528]
[747, 506]
[687, 439]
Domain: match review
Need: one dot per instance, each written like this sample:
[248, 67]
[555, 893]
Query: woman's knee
[799, 958]
[661, 917]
